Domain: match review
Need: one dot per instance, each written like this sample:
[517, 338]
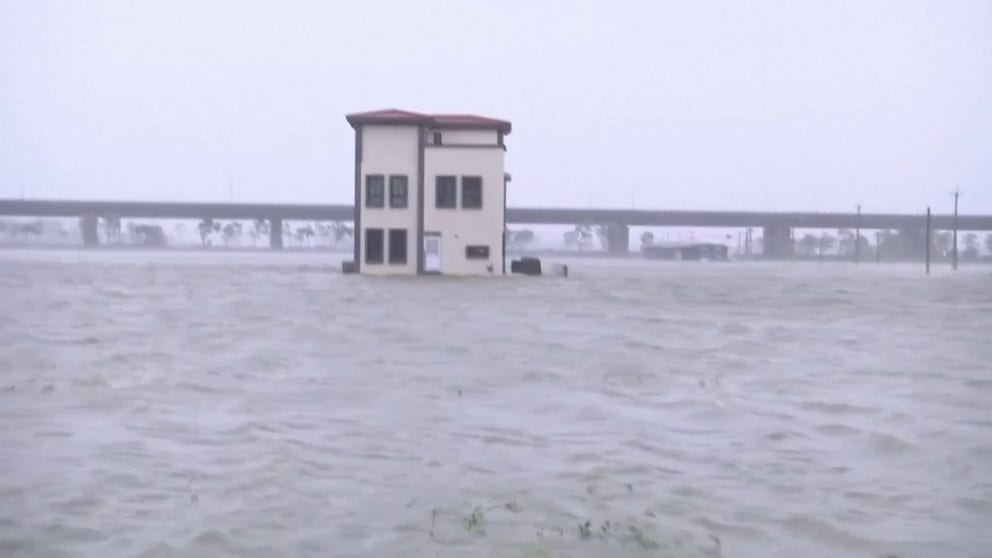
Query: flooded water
[168, 404]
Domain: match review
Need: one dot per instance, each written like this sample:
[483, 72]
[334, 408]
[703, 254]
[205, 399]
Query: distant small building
[430, 193]
[699, 251]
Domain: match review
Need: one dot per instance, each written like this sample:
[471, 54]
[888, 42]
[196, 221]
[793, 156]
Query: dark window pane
[373, 246]
[446, 192]
[471, 192]
[397, 191]
[375, 190]
[397, 246]
[477, 252]
[437, 138]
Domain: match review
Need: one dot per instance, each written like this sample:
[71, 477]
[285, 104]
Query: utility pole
[954, 253]
[857, 238]
[928, 240]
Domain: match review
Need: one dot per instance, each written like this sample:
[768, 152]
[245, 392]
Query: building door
[432, 252]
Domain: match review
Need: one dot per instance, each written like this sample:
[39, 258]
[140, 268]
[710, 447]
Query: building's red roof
[396, 116]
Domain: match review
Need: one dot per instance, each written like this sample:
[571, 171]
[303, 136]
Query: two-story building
[430, 193]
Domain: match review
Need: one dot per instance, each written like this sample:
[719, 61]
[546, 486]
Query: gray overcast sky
[713, 105]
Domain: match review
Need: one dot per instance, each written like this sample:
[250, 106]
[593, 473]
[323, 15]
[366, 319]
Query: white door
[432, 252]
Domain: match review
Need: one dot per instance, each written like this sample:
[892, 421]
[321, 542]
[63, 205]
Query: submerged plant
[585, 530]
[641, 539]
[474, 520]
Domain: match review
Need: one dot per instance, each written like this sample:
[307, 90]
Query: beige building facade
[430, 193]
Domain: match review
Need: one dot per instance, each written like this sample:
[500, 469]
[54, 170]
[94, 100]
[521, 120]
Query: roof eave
[404, 118]
[505, 128]
[358, 120]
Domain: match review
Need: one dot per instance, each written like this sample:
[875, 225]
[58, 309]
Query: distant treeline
[209, 232]
[890, 245]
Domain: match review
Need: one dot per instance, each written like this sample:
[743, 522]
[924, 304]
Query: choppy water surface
[264, 405]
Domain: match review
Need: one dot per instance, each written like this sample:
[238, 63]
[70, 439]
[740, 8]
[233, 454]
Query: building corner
[357, 219]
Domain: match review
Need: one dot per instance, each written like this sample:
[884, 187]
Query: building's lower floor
[397, 251]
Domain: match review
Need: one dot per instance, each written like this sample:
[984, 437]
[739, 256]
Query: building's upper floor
[439, 130]
[459, 157]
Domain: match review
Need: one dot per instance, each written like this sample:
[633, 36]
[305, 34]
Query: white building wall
[390, 150]
[465, 137]
[463, 227]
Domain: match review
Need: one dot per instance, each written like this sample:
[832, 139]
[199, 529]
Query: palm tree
[287, 233]
[647, 238]
[341, 231]
[603, 235]
[147, 235]
[206, 227]
[323, 232]
[231, 232]
[584, 235]
[112, 229]
[259, 227]
[519, 238]
[304, 234]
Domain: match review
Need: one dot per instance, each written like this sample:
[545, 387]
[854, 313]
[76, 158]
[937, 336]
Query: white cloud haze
[677, 105]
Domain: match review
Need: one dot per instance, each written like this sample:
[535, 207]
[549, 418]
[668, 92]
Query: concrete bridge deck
[777, 227]
[515, 215]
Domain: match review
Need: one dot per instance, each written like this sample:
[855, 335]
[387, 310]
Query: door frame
[440, 252]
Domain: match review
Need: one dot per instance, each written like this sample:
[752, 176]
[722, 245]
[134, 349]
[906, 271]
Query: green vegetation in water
[625, 533]
[585, 530]
[473, 521]
[614, 530]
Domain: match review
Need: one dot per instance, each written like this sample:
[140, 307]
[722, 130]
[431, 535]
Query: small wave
[300, 406]
[66, 533]
[836, 408]
[836, 429]
[979, 383]
[890, 444]
[779, 435]
[211, 539]
[54, 434]
[735, 328]
[111, 292]
[824, 531]
[88, 340]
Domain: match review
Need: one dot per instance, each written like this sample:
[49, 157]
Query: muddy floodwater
[257, 404]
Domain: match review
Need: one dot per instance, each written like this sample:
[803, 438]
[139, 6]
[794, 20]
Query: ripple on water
[249, 405]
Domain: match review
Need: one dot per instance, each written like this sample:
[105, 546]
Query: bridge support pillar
[617, 239]
[778, 243]
[88, 227]
[275, 234]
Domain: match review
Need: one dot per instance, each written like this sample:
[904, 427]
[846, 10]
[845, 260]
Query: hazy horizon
[764, 106]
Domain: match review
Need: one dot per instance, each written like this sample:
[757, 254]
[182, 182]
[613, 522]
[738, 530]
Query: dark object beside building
[526, 266]
[348, 267]
[694, 252]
